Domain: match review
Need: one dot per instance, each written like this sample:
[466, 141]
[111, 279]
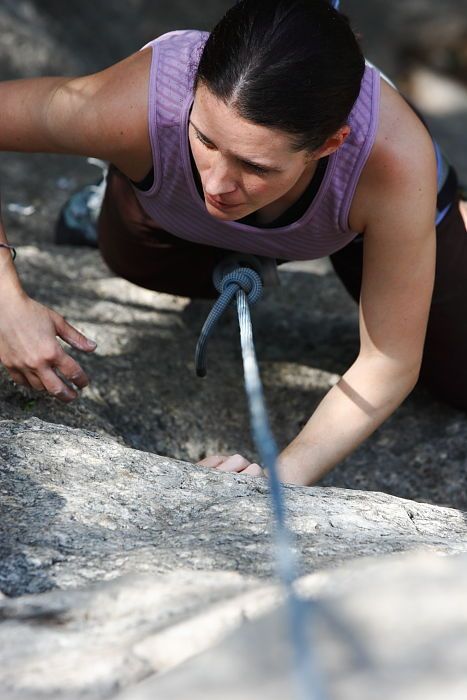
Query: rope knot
[244, 278]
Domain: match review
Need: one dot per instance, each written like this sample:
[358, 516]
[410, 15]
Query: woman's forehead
[223, 126]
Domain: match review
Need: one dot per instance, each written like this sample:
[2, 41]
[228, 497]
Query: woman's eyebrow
[238, 157]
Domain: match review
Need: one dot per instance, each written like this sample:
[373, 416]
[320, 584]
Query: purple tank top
[174, 202]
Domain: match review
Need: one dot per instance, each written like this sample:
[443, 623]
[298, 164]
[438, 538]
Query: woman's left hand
[234, 463]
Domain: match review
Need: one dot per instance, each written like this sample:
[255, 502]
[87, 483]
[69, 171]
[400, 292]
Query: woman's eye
[205, 143]
[256, 169]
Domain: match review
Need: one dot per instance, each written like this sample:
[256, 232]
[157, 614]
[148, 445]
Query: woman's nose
[219, 179]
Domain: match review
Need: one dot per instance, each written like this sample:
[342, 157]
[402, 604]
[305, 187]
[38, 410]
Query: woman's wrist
[10, 285]
[296, 464]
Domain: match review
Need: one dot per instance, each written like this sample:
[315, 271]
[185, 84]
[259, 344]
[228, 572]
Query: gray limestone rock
[78, 508]
[117, 564]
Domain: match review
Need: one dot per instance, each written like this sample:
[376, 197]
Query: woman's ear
[333, 143]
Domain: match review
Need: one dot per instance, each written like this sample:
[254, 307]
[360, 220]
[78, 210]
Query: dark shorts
[134, 247]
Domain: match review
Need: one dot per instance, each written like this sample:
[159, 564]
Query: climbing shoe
[77, 221]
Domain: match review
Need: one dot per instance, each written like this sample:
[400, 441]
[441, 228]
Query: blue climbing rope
[245, 285]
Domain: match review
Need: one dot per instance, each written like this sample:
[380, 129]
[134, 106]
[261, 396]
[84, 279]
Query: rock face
[79, 509]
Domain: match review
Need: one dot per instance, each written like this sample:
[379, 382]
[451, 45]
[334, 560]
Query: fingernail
[92, 343]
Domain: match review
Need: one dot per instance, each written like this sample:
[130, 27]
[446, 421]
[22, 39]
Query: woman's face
[243, 166]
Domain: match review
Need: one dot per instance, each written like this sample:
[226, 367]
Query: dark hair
[293, 65]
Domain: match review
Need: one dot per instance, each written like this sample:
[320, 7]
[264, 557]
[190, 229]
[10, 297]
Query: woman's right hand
[31, 353]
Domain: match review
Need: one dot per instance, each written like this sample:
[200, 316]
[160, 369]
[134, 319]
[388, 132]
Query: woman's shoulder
[401, 158]
[401, 133]
[124, 113]
[172, 55]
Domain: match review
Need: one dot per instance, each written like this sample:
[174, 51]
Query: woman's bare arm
[102, 115]
[398, 275]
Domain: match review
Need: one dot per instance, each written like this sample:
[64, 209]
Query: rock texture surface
[78, 509]
[402, 635]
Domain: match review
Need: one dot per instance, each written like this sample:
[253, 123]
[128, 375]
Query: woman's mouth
[218, 205]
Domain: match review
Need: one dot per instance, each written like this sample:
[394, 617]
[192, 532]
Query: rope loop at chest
[244, 278]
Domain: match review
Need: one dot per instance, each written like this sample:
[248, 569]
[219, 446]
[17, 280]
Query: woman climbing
[271, 136]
